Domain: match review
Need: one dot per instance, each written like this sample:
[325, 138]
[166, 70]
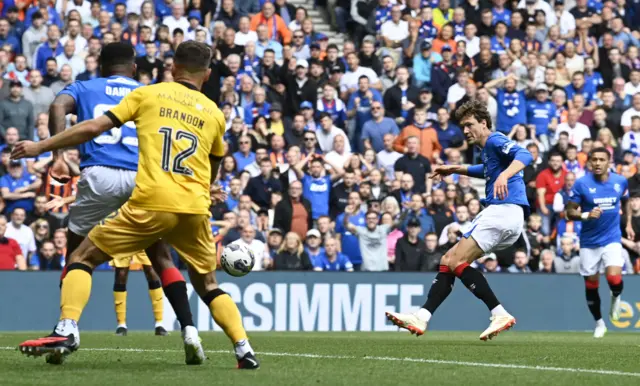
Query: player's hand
[60, 171]
[25, 149]
[631, 234]
[442, 171]
[217, 194]
[500, 189]
[595, 213]
[56, 203]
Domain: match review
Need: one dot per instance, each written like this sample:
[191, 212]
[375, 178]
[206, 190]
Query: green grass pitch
[437, 358]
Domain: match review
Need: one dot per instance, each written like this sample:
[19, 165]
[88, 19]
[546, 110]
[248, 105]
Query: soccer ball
[237, 260]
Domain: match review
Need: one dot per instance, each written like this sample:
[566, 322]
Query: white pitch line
[385, 359]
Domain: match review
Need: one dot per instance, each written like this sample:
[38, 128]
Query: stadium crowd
[329, 148]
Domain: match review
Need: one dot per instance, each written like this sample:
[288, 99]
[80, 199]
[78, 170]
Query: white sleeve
[558, 203]
[443, 236]
[626, 142]
[551, 15]
[571, 22]
[625, 120]
[347, 144]
[32, 242]
[373, 77]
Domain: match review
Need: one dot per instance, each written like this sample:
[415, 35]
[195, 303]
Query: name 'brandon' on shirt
[181, 116]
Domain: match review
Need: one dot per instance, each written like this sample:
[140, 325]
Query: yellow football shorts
[139, 258]
[130, 230]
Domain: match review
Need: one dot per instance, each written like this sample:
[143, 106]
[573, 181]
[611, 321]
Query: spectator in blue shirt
[49, 49]
[500, 42]
[314, 247]
[579, 86]
[46, 259]
[43, 6]
[512, 105]
[235, 191]
[350, 243]
[244, 156]
[18, 188]
[259, 106]
[317, 184]
[541, 114]
[7, 39]
[359, 105]
[591, 76]
[332, 260]
[376, 128]
[500, 13]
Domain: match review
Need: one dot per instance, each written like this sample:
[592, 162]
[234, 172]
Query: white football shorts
[593, 259]
[101, 191]
[497, 227]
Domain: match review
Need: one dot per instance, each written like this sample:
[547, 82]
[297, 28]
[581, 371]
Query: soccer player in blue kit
[497, 227]
[596, 202]
[109, 164]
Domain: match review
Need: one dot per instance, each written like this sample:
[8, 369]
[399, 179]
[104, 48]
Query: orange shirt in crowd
[437, 44]
[428, 137]
[299, 224]
[282, 33]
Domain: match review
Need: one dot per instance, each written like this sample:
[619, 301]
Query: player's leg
[175, 289]
[75, 292]
[226, 315]
[192, 239]
[155, 291]
[590, 263]
[493, 229]
[440, 289]
[613, 262]
[120, 297]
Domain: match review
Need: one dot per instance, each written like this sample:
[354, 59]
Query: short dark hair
[600, 150]
[475, 109]
[116, 54]
[556, 154]
[193, 56]
[264, 160]
[323, 115]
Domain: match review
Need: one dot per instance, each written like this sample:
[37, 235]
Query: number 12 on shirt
[177, 165]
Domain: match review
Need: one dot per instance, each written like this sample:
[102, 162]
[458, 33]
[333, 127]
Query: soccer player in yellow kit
[180, 138]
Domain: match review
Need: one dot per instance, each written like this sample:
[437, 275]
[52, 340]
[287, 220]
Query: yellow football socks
[157, 297]
[75, 292]
[120, 300]
[227, 316]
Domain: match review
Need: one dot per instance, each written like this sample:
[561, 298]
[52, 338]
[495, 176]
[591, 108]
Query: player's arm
[78, 134]
[62, 105]
[476, 171]
[575, 213]
[519, 157]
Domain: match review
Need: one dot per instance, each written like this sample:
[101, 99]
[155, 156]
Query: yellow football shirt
[178, 128]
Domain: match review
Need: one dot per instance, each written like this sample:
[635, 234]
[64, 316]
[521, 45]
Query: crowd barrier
[318, 301]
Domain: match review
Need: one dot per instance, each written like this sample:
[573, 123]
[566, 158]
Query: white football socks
[242, 348]
[499, 311]
[424, 314]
